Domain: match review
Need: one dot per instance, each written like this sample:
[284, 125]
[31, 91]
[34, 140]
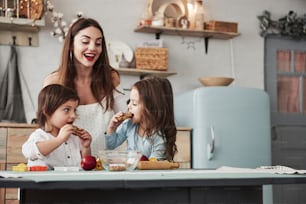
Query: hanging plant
[290, 25]
[60, 25]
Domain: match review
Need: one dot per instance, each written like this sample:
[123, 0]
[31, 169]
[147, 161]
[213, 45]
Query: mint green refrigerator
[230, 127]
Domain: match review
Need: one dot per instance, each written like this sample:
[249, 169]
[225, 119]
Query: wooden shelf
[20, 31]
[20, 24]
[139, 72]
[206, 34]
[186, 32]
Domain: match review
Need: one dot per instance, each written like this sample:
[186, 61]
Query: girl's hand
[114, 122]
[65, 132]
[85, 138]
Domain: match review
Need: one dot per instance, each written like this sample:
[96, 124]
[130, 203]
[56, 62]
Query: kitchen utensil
[157, 165]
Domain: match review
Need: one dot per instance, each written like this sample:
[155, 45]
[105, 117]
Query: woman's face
[135, 106]
[87, 46]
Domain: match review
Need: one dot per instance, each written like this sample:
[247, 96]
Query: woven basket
[222, 26]
[152, 58]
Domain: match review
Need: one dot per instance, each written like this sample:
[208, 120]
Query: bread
[77, 131]
[125, 116]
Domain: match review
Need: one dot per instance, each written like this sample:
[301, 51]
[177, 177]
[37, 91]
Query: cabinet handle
[211, 146]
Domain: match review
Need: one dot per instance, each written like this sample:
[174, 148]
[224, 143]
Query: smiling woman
[85, 68]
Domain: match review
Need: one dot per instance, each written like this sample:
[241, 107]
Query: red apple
[88, 162]
[143, 158]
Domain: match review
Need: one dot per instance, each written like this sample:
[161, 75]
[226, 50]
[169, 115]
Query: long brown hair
[102, 82]
[156, 95]
[50, 98]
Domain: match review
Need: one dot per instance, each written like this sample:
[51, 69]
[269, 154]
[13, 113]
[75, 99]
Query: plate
[66, 168]
[115, 50]
[171, 4]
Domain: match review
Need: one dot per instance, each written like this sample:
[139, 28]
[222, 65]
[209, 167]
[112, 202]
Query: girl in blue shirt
[152, 129]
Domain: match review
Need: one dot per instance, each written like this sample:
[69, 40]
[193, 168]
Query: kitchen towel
[11, 101]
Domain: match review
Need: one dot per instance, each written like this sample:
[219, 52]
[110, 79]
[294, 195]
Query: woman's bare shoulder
[116, 77]
[52, 78]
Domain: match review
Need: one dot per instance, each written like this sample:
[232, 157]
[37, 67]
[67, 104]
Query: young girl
[152, 129]
[54, 142]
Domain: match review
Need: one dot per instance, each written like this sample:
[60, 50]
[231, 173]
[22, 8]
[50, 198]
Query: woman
[85, 67]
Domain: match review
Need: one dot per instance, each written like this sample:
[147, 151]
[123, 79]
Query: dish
[216, 81]
[115, 50]
[66, 168]
[113, 160]
[156, 4]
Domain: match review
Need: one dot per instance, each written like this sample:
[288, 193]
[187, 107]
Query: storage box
[152, 58]
[222, 26]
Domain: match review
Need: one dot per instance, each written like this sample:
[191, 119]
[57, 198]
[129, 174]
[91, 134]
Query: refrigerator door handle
[211, 146]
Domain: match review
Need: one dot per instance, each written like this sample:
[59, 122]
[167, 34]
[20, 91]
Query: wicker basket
[222, 26]
[152, 58]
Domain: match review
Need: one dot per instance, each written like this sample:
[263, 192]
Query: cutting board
[157, 165]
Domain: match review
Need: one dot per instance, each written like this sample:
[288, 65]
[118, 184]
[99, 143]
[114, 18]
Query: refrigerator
[230, 127]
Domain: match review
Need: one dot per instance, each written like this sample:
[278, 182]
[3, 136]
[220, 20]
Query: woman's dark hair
[156, 95]
[50, 98]
[102, 81]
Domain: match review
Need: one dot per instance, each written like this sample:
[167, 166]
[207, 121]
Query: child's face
[135, 106]
[65, 114]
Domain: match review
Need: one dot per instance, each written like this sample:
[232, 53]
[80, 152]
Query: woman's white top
[94, 119]
[67, 154]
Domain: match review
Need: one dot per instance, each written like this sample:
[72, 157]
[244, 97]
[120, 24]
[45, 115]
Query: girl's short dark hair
[50, 98]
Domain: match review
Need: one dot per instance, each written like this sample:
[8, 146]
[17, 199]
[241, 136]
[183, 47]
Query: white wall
[243, 54]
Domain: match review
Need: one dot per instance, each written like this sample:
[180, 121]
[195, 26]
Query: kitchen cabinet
[183, 143]
[12, 136]
[285, 83]
[206, 34]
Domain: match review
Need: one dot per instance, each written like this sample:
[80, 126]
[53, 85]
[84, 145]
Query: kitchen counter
[159, 186]
[18, 125]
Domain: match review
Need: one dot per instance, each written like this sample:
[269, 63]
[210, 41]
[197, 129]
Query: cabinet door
[285, 80]
[16, 137]
[3, 135]
[183, 143]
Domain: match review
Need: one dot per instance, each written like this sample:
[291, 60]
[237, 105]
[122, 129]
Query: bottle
[123, 63]
[199, 15]
[146, 17]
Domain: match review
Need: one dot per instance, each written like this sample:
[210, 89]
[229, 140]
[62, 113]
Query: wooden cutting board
[157, 165]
